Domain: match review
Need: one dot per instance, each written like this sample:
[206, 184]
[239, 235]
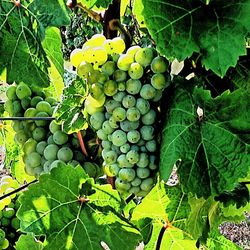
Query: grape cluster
[124, 91]
[8, 206]
[44, 144]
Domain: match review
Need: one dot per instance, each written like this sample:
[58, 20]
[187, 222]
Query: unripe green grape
[11, 92]
[134, 190]
[119, 114]
[127, 174]
[109, 67]
[119, 96]
[2, 237]
[15, 223]
[110, 105]
[41, 146]
[135, 147]
[65, 154]
[115, 57]
[96, 120]
[142, 193]
[151, 146]
[123, 161]
[94, 76]
[152, 162]
[29, 146]
[25, 103]
[5, 244]
[121, 185]
[159, 64]
[74, 163]
[133, 114]
[35, 100]
[132, 156]
[110, 137]
[125, 148]
[50, 140]
[120, 75]
[133, 86]
[113, 123]
[30, 112]
[5, 222]
[133, 136]
[96, 91]
[143, 160]
[53, 127]
[46, 166]
[119, 138]
[124, 61]
[136, 182]
[116, 149]
[141, 142]
[56, 163]
[142, 105]
[159, 81]
[33, 159]
[110, 157]
[111, 169]
[50, 152]
[8, 212]
[84, 69]
[149, 118]
[106, 145]
[107, 115]
[102, 135]
[142, 173]
[16, 107]
[91, 106]
[60, 137]
[132, 50]
[147, 184]
[128, 125]
[121, 86]
[135, 71]
[147, 92]
[144, 56]
[158, 96]
[128, 101]
[39, 134]
[107, 128]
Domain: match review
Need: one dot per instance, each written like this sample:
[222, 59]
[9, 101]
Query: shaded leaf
[85, 223]
[212, 152]
[96, 3]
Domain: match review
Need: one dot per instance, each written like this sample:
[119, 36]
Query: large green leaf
[28, 241]
[217, 30]
[210, 146]
[54, 207]
[22, 31]
[166, 205]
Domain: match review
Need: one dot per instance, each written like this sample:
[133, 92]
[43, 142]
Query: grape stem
[79, 136]
[17, 190]
[97, 17]
[160, 236]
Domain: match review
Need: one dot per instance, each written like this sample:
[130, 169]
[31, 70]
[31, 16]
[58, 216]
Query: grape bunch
[123, 100]
[8, 206]
[43, 142]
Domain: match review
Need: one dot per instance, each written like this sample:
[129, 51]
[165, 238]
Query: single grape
[144, 56]
[123, 162]
[109, 68]
[152, 162]
[96, 91]
[113, 122]
[133, 114]
[149, 118]
[125, 148]
[41, 146]
[132, 156]
[102, 135]
[159, 81]
[142, 105]
[147, 133]
[111, 169]
[110, 105]
[107, 115]
[127, 126]
[110, 88]
[60, 137]
[107, 129]
[127, 174]
[110, 157]
[147, 92]
[128, 101]
[106, 145]
[120, 75]
[76, 57]
[151, 146]
[119, 138]
[135, 70]
[121, 185]
[53, 127]
[158, 95]
[142, 173]
[96, 120]
[116, 149]
[65, 154]
[133, 86]
[135, 147]
[50, 152]
[118, 45]
[147, 184]
[121, 86]
[95, 40]
[92, 106]
[140, 143]
[132, 50]
[133, 136]
[124, 61]
[159, 64]
[136, 182]
[119, 96]
[84, 69]
[119, 114]
[143, 160]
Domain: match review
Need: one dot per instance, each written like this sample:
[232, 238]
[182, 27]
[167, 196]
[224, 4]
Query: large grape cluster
[124, 91]
[43, 142]
[9, 223]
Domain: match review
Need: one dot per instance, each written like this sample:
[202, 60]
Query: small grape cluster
[123, 100]
[43, 142]
[8, 206]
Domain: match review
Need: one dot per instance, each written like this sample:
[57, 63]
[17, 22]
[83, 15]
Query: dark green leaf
[96, 3]
[53, 207]
[213, 155]
[217, 30]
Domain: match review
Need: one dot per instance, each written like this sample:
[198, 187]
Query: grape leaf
[22, 31]
[165, 205]
[28, 241]
[213, 155]
[53, 207]
[70, 110]
[96, 3]
[217, 30]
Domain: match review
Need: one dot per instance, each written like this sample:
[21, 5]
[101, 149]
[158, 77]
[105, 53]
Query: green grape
[125, 148]
[43, 106]
[53, 127]
[151, 146]
[2, 237]
[135, 147]
[50, 140]
[119, 96]
[147, 133]
[142, 173]
[143, 160]
[133, 86]
[116, 149]
[74, 163]
[39, 134]
[84, 69]
[30, 112]
[120, 75]
[133, 136]
[118, 45]
[20, 137]
[5, 244]
[132, 156]
[56, 163]
[128, 101]
[8, 212]
[107, 115]
[41, 123]
[127, 174]
[121, 185]
[94, 76]
[144, 56]
[106, 145]
[119, 138]
[133, 114]
[136, 182]
[107, 128]
[11, 93]
[95, 40]
[16, 125]
[123, 161]
[119, 114]
[23, 91]
[132, 50]
[90, 105]
[15, 223]
[43, 160]
[140, 143]
[125, 61]
[142, 193]
[51, 100]
[96, 91]
[50, 152]
[113, 123]
[159, 64]
[143, 149]
[16, 107]
[121, 86]
[110, 88]
[96, 120]
[158, 95]
[109, 67]
[149, 118]
[110, 157]
[91, 169]
[29, 146]
[159, 81]
[65, 154]
[152, 162]
[147, 184]
[110, 105]
[102, 135]
[60, 137]
[35, 100]
[46, 166]
[134, 190]
[142, 105]
[135, 71]
[127, 126]
[115, 57]
[147, 92]
[25, 103]
[8, 107]
[111, 170]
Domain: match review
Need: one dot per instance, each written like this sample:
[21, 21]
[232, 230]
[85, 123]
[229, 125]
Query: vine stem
[18, 189]
[97, 17]
[160, 236]
[79, 136]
